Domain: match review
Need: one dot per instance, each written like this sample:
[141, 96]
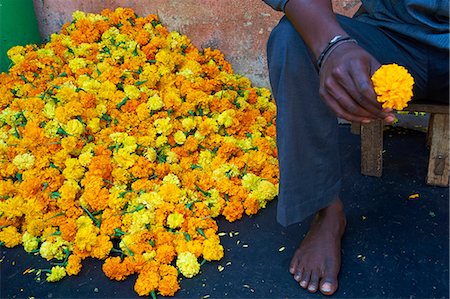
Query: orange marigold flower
[146, 283]
[115, 269]
[393, 86]
[165, 253]
[73, 265]
[233, 211]
[168, 285]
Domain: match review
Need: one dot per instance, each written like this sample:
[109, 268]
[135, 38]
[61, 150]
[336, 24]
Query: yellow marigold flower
[107, 90]
[16, 54]
[187, 264]
[49, 110]
[85, 158]
[264, 192]
[171, 179]
[88, 84]
[74, 127]
[94, 124]
[179, 137]
[163, 126]
[78, 15]
[24, 161]
[53, 248]
[51, 128]
[172, 158]
[57, 273]
[10, 236]
[161, 140]
[150, 154]
[132, 92]
[250, 181]
[188, 123]
[73, 169]
[124, 158]
[77, 63]
[148, 256]
[226, 118]
[29, 242]
[212, 250]
[69, 190]
[175, 220]
[393, 86]
[86, 236]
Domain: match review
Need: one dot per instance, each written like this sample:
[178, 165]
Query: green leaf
[62, 132]
[55, 195]
[135, 51]
[194, 166]
[123, 102]
[138, 83]
[187, 236]
[201, 232]
[202, 191]
[19, 177]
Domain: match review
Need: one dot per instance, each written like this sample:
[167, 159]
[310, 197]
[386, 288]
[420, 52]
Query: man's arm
[345, 83]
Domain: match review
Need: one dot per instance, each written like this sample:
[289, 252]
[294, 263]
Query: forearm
[315, 21]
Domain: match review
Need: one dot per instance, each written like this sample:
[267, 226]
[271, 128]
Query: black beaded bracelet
[338, 39]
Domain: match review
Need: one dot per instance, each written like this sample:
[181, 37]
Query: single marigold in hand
[393, 86]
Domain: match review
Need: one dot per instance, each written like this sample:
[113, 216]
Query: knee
[285, 43]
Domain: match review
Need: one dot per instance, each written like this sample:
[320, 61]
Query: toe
[328, 285]
[298, 275]
[304, 282]
[294, 264]
[313, 282]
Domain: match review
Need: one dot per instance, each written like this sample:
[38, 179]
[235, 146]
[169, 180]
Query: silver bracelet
[332, 45]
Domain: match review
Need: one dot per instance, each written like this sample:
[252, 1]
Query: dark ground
[394, 247]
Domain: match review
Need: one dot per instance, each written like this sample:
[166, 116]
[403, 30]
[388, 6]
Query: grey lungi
[307, 130]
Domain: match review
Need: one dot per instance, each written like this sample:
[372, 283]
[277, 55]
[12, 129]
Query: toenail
[326, 287]
[303, 284]
[312, 288]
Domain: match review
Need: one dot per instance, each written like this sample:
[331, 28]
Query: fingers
[362, 91]
[344, 107]
[346, 85]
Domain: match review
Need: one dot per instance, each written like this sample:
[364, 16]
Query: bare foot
[318, 259]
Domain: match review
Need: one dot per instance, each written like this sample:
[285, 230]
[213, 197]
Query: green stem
[96, 221]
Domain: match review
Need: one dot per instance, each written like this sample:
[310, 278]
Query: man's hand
[346, 87]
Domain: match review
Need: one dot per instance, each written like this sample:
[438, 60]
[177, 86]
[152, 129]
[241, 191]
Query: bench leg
[372, 148]
[438, 164]
[355, 128]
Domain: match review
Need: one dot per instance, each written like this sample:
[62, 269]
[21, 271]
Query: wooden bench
[437, 140]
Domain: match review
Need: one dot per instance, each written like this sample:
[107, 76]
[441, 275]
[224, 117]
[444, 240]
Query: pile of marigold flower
[121, 141]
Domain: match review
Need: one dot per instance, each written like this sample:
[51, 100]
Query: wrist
[335, 42]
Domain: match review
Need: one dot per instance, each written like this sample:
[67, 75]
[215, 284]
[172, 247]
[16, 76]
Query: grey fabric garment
[307, 140]
[277, 4]
[426, 21]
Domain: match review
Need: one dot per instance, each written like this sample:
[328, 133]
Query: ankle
[335, 208]
[334, 213]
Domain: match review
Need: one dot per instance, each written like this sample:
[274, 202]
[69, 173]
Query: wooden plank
[438, 164]
[430, 130]
[429, 108]
[355, 128]
[372, 148]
